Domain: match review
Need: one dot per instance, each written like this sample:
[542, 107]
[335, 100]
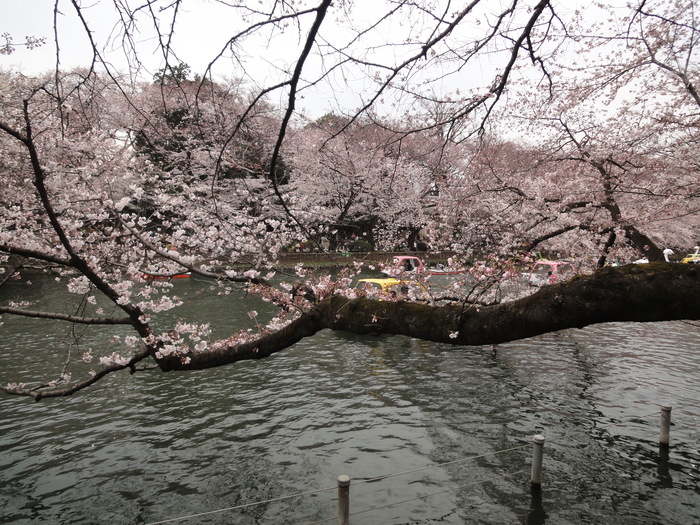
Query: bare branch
[64, 317]
[39, 392]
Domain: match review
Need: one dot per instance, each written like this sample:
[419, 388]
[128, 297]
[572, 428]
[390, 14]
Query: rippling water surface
[152, 447]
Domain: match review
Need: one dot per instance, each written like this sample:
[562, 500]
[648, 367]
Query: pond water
[154, 447]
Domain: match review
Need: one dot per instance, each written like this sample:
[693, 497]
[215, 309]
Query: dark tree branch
[64, 317]
[633, 293]
[289, 112]
[69, 388]
[35, 254]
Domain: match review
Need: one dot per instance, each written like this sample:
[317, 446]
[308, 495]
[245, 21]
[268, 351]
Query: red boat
[158, 277]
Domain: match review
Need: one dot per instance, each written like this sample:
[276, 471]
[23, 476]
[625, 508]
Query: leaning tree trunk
[644, 244]
[633, 293]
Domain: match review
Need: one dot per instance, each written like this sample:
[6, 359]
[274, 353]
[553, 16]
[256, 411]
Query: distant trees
[359, 178]
[173, 73]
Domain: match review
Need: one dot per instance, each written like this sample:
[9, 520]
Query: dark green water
[151, 447]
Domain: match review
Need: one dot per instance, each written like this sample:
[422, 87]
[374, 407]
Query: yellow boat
[385, 284]
[389, 286]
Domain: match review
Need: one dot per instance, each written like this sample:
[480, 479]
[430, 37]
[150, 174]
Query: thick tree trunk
[644, 244]
[633, 293]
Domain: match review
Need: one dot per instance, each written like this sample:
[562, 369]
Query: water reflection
[665, 479]
[536, 515]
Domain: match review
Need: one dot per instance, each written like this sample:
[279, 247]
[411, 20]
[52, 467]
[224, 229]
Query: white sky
[202, 31]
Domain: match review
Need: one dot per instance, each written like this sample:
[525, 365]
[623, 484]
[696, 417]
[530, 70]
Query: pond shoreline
[332, 260]
[342, 259]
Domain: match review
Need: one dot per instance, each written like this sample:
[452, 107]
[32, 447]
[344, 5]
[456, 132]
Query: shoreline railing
[344, 481]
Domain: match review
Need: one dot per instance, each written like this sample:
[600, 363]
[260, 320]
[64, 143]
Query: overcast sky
[202, 31]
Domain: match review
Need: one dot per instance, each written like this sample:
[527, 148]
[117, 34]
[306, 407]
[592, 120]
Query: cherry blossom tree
[606, 135]
[366, 181]
[584, 191]
[110, 177]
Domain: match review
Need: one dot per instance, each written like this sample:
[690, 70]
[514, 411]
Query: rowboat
[379, 284]
[693, 258]
[392, 288]
[160, 277]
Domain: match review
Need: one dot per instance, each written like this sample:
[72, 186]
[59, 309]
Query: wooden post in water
[537, 453]
[664, 436]
[343, 500]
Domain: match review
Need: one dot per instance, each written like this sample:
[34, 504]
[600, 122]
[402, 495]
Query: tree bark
[633, 293]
